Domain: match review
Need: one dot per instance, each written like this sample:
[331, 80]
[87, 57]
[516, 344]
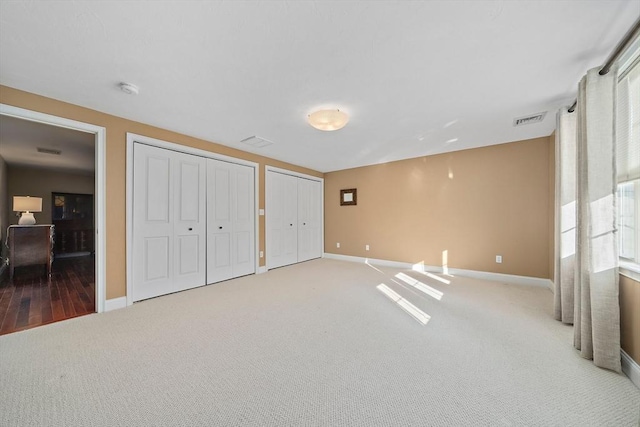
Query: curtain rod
[622, 46]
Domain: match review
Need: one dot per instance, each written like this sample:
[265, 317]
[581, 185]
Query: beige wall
[4, 208]
[471, 205]
[117, 129]
[630, 317]
[25, 181]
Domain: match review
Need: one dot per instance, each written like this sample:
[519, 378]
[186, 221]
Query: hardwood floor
[32, 299]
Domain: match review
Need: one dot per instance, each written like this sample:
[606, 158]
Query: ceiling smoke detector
[129, 89]
[49, 151]
[534, 118]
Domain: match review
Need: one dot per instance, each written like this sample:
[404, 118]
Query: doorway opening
[29, 142]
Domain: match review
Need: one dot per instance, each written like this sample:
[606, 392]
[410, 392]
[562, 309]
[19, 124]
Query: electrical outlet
[499, 259]
[366, 247]
[261, 254]
[338, 245]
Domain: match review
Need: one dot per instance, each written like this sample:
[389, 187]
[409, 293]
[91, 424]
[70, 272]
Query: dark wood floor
[32, 299]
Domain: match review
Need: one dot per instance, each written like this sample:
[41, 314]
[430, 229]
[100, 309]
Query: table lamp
[27, 205]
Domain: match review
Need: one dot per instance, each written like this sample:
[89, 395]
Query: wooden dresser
[30, 245]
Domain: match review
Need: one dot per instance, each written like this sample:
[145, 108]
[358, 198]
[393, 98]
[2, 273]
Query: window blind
[628, 125]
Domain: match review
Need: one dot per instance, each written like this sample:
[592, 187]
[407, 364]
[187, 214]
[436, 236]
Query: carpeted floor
[315, 344]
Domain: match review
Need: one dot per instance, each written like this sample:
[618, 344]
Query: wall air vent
[256, 141]
[534, 118]
[49, 151]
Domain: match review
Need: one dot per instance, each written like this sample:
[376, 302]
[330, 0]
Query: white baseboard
[262, 269]
[497, 277]
[115, 303]
[630, 368]
[382, 262]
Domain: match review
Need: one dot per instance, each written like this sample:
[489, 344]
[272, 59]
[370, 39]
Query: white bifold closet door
[294, 219]
[309, 219]
[230, 220]
[169, 221]
[282, 220]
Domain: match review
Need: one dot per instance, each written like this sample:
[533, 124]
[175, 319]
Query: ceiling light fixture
[129, 89]
[328, 119]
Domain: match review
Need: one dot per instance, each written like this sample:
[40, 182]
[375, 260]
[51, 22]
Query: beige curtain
[596, 309]
[565, 215]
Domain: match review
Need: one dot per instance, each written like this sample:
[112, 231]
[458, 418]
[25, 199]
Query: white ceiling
[417, 78]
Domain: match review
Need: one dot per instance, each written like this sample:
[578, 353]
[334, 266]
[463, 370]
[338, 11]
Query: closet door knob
[220, 228]
[190, 228]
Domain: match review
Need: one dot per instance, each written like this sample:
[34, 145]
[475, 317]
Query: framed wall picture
[349, 197]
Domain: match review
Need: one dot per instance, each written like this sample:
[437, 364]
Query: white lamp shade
[328, 119]
[27, 204]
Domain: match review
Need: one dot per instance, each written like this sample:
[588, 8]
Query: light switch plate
[261, 212]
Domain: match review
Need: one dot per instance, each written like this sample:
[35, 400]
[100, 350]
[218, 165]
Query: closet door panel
[168, 222]
[194, 221]
[243, 213]
[281, 212]
[314, 219]
[290, 215]
[190, 221]
[273, 219]
[153, 227]
[219, 223]
[309, 219]
[304, 236]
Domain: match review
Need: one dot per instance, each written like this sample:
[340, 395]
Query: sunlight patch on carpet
[414, 311]
[422, 287]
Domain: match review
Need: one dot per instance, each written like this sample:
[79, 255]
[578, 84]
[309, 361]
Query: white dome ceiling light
[328, 120]
[129, 89]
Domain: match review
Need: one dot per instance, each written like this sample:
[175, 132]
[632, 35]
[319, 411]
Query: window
[628, 220]
[628, 158]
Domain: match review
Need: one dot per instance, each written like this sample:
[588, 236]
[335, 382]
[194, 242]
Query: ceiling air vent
[49, 151]
[257, 142]
[534, 118]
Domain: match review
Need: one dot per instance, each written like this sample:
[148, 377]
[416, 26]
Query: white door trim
[100, 184]
[266, 208]
[288, 172]
[131, 139]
